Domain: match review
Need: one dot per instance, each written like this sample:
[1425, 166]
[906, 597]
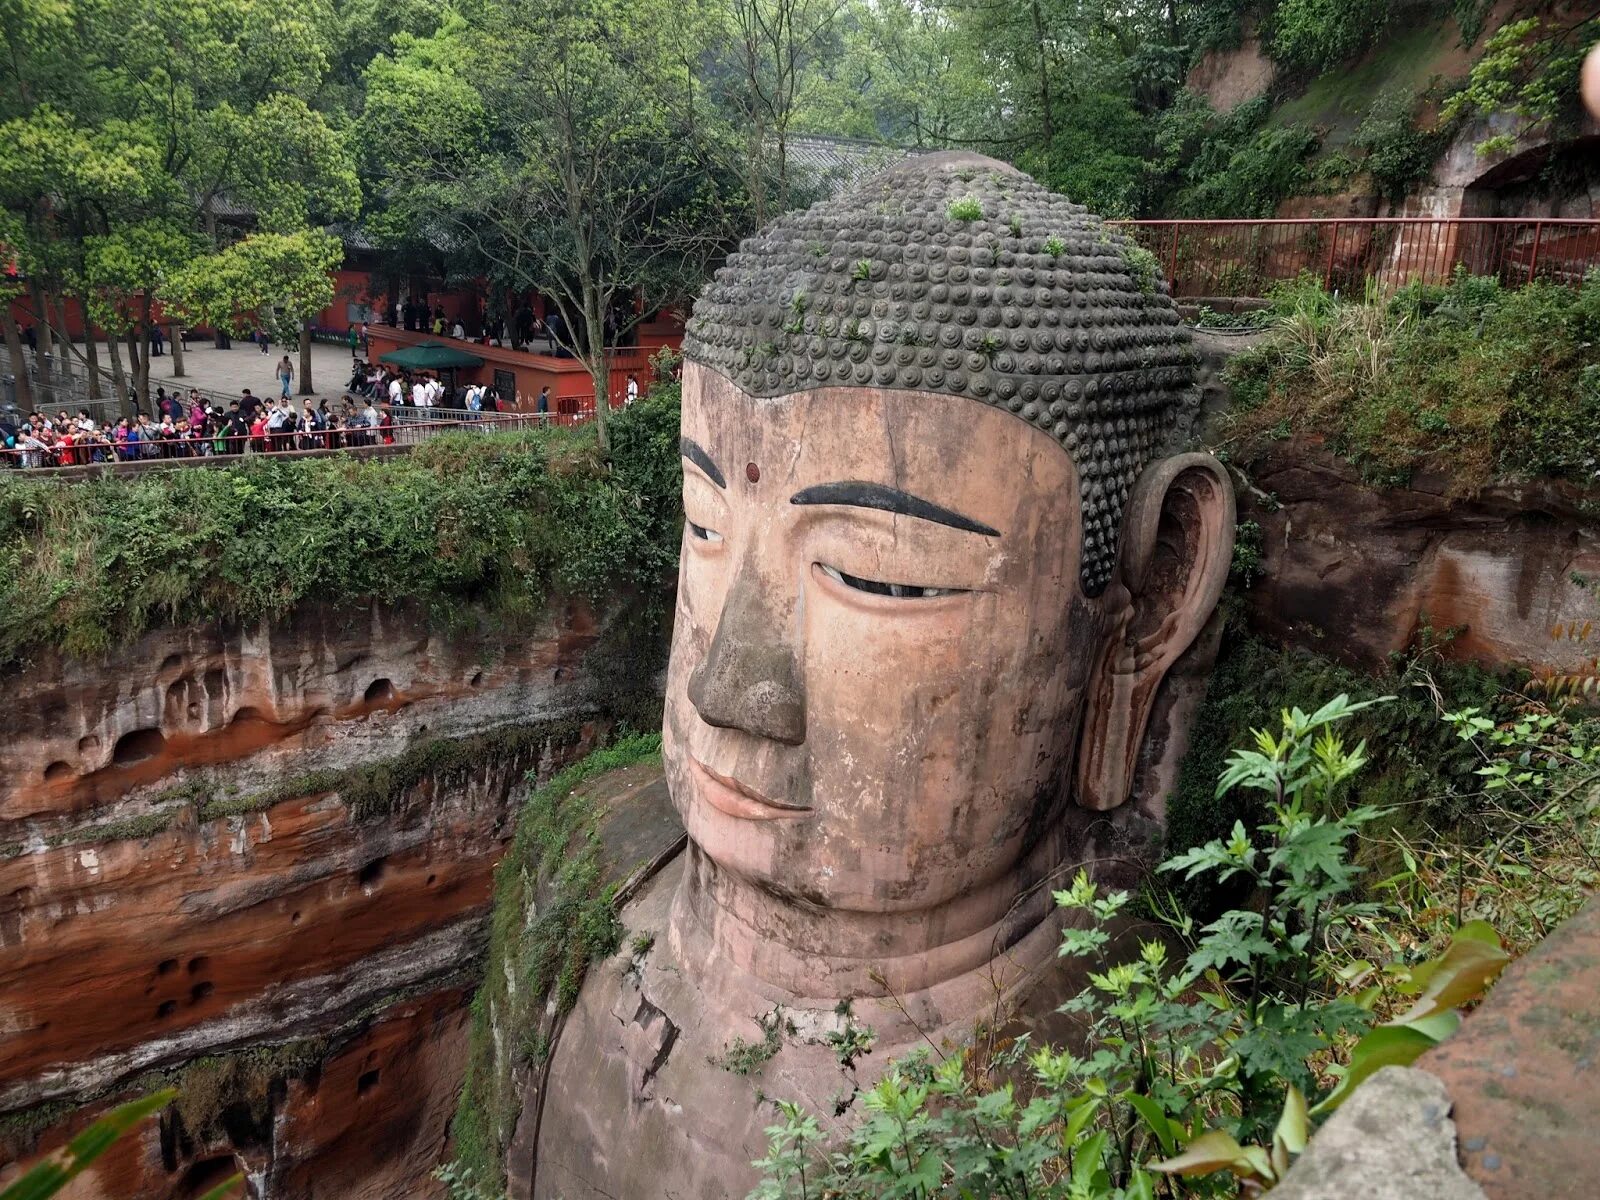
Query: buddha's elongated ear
[1177, 542]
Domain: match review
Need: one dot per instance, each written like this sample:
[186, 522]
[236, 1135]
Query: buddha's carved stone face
[936, 562]
[881, 646]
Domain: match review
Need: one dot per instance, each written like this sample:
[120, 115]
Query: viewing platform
[518, 375]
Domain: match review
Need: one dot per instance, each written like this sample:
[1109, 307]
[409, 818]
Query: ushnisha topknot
[957, 274]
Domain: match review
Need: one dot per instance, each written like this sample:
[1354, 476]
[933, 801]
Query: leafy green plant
[1399, 153]
[1318, 35]
[1055, 247]
[744, 1057]
[1529, 68]
[853, 1040]
[54, 1173]
[1248, 555]
[467, 526]
[1472, 378]
[1144, 266]
[965, 209]
[1198, 1066]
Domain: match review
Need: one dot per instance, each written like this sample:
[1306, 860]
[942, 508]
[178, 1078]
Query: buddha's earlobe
[1177, 542]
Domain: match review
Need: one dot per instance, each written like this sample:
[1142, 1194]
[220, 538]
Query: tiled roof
[835, 163]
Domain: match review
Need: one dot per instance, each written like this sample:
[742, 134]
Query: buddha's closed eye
[877, 587]
[701, 533]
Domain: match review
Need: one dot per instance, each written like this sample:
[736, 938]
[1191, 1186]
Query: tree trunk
[91, 348]
[55, 311]
[599, 364]
[46, 356]
[305, 358]
[144, 348]
[1044, 85]
[176, 343]
[599, 370]
[19, 365]
[141, 400]
[119, 377]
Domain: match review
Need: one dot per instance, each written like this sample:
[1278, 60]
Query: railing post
[1533, 265]
[1172, 262]
[1333, 245]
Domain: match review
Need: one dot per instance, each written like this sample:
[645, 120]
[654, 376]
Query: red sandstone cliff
[1356, 573]
[216, 844]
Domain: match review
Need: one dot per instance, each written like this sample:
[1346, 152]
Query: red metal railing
[405, 427]
[1237, 259]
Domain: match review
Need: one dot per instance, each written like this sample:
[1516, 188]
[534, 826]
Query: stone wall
[216, 844]
[1358, 573]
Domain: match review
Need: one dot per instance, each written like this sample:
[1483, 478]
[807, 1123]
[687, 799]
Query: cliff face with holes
[257, 865]
[1507, 576]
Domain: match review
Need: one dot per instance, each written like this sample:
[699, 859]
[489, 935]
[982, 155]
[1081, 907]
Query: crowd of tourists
[193, 425]
[190, 427]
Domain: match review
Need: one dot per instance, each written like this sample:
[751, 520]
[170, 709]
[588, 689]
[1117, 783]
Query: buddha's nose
[750, 678]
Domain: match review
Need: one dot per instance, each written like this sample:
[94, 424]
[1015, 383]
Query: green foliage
[274, 279]
[535, 967]
[1319, 35]
[1193, 1067]
[126, 133]
[965, 209]
[744, 1057]
[1416, 770]
[1529, 68]
[485, 526]
[50, 1176]
[1234, 165]
[1472, 379]
[1399, 154]
[1247, 554]
[1143, 265]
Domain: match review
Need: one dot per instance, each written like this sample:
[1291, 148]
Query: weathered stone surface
[1391, 1140]
[368, 1125]
[1228, 78]
[142, 926]
[320, 691]
[1355, 573]
[924, 657]
[1521, 1071]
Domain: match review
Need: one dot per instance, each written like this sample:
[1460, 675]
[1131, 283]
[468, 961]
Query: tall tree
[192, 117]
[559, 147]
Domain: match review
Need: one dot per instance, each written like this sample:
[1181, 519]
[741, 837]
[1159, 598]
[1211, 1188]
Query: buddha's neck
[803, 954]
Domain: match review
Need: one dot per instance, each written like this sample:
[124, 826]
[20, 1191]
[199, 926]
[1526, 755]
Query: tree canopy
[193, 156]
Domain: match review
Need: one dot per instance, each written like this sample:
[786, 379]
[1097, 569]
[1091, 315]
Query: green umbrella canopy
[430, 356]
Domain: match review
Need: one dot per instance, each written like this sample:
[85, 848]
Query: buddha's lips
[733, 798]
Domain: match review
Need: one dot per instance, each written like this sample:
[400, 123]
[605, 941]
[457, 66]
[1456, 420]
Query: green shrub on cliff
[485, 525]
[1197, 1050]
[1472, 379]
[552, 916]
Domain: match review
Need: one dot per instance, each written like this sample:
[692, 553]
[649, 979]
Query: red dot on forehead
[752, 472]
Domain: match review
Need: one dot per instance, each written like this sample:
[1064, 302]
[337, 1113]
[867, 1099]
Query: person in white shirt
[396, 391]
[419, 394]
[457, 331]
[633, 389]
[369, 414]
[31, 448]
[435, 393]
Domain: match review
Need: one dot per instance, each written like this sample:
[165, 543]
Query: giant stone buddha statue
[939, 556]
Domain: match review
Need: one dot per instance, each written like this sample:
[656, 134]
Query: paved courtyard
[244, 366]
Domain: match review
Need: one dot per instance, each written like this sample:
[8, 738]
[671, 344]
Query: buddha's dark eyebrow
[695, 454]
[887, 499]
